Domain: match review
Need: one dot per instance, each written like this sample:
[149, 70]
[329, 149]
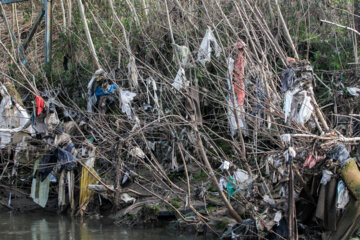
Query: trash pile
[216, 138]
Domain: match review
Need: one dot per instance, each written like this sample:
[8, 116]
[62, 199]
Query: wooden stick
[88, 35]
[287, 33]
[341, 26]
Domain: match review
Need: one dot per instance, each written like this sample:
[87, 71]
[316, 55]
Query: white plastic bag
[183, 52]
[180, 80]
[305, 111]
[137, 152]
[342, 198]
[353, 91]
[204, 54]
[126, 98]
[225, 165]
[232, 118]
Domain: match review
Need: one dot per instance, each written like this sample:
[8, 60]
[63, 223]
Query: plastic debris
[326, 177]
[268, 200]
[339, 153]
[353, 91]
[277, 217]
[39, 189]
[225, 165]
[239, 73]
[289, 154]
[92, 99]
[310, 161]
[88, 176]
[204, 54]
[183, 52]
[137, 152]
[133, 72]
[305, 111]
[126, 198]
[287, 80]
[13, 117]
[222, 183]
[343, 197]
[126, 98]
[285, 138]
[39, 104]
[100, 91]
[180, 80]
[241, 176]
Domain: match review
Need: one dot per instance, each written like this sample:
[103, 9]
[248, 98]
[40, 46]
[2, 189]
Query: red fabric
[239, 86]
[39, 105]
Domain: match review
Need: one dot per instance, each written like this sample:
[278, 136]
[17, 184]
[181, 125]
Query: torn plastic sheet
[39, 189]
[305, 111]
[52, 121]
[232, 118]
[126, 198]
[292, 100]
[100, 91]
[183, 52]
[13, 118]
[225, 165]
[289, 154]
[285, 138]
[91, 96]
[343, 197]
[353, 91]
[277, 217]
[39, 104]
[268, 200]
[239, 73]
[287, 80]
[204, 53]
[326, 177]
[180, 80]
[137, 152]
[222, 183]
[339, 153]
[126, 98]
[88, 176]
[230, 62]
[288, 102]
[133, 72]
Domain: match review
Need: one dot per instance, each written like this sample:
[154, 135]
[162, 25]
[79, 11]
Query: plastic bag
[353, 91]
[204, 54]
[287, 80]
[288, 98]
[183, 52]
[91, 96]
[326, 177]
[126, 98]
[180, 80]
[232, 118]
[339, 153]
[342, 198]
[137, 152]
[305, 111]
[225, 165]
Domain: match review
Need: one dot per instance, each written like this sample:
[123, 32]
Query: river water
[44, 226]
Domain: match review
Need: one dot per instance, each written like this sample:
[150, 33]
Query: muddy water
[44, 226]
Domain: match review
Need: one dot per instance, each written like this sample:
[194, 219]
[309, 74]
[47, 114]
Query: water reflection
[44, 226]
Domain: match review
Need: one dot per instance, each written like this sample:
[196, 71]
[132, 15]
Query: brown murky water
[44, 226]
